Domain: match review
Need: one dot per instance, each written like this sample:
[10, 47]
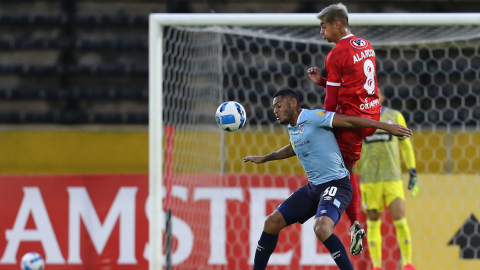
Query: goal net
[428, 67]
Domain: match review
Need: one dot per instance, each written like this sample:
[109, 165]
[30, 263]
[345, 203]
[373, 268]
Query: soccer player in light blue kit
[328, 191]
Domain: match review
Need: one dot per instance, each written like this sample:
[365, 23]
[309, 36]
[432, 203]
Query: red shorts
[350, 142]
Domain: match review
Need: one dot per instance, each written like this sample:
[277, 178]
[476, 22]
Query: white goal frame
[156, 77]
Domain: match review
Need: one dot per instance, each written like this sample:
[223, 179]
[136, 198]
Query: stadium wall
[100, 222]
[73, 152]
[91, 152]
[58, 167]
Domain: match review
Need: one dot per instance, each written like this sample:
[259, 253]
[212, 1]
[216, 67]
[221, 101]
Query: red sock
[352, 209]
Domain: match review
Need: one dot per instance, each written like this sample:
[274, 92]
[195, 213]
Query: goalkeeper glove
[413, 182]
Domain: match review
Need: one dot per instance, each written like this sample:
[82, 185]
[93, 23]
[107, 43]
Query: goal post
[155, 148]
[184, 55]
[310, 19]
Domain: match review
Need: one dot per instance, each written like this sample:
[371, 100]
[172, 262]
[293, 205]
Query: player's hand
[413, 182]
[399, 130]
[254, 159]
[314, 74]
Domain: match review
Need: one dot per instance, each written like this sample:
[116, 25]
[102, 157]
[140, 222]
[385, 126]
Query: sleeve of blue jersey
[321, 118]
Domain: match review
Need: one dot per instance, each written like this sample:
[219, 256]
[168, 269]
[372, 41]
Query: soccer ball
[32, 261]
[230, 116]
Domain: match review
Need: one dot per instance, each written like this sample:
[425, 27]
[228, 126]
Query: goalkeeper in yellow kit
[381, 182]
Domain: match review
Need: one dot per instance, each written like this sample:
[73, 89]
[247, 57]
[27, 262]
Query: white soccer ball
[32, 261]
[230, 116]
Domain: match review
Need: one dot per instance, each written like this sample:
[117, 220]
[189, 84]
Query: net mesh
[430, 74]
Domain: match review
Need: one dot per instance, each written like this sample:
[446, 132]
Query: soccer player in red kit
[351, 89]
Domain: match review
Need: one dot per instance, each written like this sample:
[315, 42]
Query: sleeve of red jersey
[323, 82]
[330, 103]
[334, 79]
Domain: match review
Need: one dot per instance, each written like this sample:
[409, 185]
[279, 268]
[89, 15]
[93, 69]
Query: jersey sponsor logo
[358, 43]
[321, 112]
[299, 143]
[327, 198]
[378, 137]
[302, 128]
[369, 105]
[362, 55]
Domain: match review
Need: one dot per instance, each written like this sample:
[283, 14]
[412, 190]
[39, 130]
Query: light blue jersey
[313, 141]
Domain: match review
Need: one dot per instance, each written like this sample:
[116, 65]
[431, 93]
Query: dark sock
[266, 246]
[338, 253]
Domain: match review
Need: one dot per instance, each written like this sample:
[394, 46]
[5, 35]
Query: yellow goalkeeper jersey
[380, 157]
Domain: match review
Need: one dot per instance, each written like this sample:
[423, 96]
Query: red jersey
[351, 66]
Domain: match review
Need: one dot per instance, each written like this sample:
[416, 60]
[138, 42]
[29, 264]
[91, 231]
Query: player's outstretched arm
[340, 120]
[408, 156]
[283, 153]
[330, 103]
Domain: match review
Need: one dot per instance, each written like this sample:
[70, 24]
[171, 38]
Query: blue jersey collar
[298, 118]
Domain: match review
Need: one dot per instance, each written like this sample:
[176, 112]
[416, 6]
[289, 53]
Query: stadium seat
[74, 70]
[73, 117]
[81, 20]
[72, 44]
[88, 93]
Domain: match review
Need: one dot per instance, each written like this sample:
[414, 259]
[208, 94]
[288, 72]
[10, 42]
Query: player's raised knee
[274, 223]
[322, 230]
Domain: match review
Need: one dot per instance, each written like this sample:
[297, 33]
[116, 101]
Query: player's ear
[293, 102]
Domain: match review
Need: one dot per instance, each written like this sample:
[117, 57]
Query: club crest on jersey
[301, 127]
[359, 43]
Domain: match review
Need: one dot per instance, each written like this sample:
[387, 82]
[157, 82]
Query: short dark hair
[286, 92]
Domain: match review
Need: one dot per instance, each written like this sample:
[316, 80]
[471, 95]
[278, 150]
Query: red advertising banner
[101, 222]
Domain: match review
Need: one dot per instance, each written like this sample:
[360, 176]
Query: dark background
[86, 62]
